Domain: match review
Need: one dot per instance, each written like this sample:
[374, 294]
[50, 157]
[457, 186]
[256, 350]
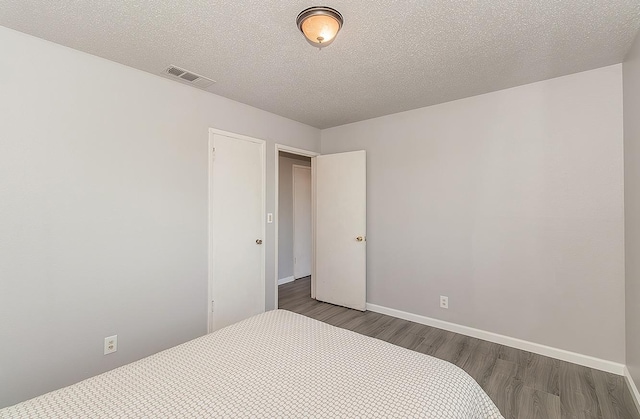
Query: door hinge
[212, 305]
[213, 153]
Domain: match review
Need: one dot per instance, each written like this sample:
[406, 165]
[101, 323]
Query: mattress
[276, 364]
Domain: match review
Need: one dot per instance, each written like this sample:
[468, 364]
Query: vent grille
[188, 77]
[175, 71]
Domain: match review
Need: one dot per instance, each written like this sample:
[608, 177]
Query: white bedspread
[277, 364]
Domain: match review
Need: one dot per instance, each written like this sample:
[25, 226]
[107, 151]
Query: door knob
[258, 241]
[360, 238]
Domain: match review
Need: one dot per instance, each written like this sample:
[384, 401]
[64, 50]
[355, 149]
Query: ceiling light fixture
[320, 25]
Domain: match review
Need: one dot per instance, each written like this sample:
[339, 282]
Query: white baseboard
[573, 357]
[632, 386]
[285, 280]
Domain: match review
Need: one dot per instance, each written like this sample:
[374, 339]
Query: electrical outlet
[110, 344]
[444, 301]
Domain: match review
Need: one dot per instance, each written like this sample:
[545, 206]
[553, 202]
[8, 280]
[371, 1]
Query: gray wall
[285, 211]
[103, 211]
[631, 71]
[509, 203]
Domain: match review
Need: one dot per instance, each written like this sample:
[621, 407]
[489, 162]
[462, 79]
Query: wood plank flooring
[523, 385]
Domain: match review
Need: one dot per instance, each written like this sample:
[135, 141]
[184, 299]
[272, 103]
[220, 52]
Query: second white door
[301, 221]
[237, 219]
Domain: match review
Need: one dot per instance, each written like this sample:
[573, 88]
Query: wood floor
[523, 385]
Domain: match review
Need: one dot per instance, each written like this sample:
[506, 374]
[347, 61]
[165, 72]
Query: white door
[340, 253]
[301, 221]
[237, 220]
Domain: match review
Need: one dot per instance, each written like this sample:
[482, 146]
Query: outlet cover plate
[444, 301]
[110, 344]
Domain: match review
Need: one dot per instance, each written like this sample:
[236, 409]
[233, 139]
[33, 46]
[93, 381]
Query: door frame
[299, 152]
[293, 189]
[211, 229]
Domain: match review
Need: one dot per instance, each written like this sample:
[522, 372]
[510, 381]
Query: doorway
[293, 215]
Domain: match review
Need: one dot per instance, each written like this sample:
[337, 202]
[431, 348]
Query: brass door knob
[360, 238]
[258, 241]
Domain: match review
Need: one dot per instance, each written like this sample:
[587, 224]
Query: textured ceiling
[389, 57]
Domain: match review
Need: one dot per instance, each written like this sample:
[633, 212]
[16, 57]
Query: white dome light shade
[320, 25]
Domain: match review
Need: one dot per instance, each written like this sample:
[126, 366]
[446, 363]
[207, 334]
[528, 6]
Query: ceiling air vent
[188, 77]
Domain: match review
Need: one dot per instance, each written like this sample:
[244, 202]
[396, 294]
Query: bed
[276, 364]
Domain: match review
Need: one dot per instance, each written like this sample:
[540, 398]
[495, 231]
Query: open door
[339, 229]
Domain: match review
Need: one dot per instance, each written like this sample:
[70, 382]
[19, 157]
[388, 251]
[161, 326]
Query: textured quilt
[277, 364]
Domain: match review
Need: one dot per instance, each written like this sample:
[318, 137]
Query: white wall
[285, 213]
[631, 71]
[510, 203]
[103, 210]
